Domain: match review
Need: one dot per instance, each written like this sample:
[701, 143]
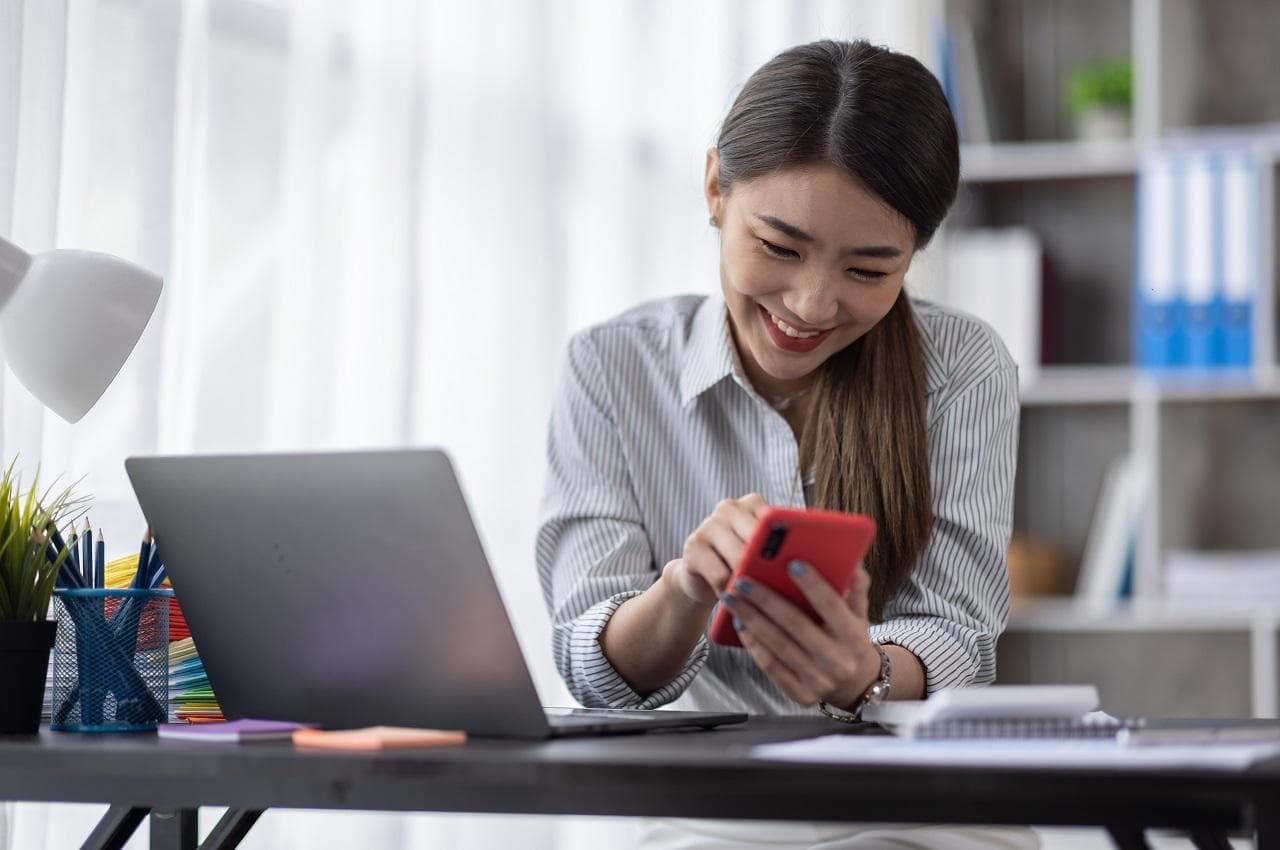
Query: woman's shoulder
[960, 350]
[653, 328]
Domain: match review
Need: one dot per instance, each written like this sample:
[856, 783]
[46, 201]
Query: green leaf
[28, 518]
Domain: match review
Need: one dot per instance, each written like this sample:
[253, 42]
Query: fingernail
[737, 624]
[796, 568]
[728, 599]
[743, 586]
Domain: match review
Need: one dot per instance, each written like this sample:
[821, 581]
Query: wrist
[871, 669]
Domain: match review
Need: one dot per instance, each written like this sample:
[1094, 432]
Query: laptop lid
[344, 589]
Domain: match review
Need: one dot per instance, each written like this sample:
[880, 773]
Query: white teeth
[790, 331]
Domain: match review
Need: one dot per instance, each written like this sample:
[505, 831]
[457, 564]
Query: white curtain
[378, 222]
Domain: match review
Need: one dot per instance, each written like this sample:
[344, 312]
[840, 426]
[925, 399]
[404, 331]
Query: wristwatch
[876, 693]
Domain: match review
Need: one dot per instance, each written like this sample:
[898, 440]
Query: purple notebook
[231, 730]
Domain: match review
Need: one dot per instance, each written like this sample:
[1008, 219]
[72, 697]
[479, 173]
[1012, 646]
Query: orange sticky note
[378, 738]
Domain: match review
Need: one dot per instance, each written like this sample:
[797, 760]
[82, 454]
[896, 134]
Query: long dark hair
[882, 117]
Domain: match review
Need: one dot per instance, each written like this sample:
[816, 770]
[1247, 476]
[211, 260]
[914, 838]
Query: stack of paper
[1096, 754]
[190, 696]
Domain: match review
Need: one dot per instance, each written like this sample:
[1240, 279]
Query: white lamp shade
[70, 321]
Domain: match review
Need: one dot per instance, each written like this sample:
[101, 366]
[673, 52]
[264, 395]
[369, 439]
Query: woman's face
[810, 260]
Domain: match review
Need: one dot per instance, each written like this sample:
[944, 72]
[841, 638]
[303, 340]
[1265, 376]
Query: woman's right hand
[713, 549]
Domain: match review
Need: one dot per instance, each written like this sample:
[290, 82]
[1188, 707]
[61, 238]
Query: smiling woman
[810, 380]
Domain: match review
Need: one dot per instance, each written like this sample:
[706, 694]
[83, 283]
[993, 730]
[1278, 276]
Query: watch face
[877, 693]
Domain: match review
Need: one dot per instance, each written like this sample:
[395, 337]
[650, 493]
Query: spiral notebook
[1002, 711]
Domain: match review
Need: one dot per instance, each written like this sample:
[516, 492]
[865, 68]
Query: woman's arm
[594, 559]
[649, 638]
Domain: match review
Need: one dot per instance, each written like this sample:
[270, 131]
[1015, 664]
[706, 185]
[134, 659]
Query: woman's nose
[814, 301]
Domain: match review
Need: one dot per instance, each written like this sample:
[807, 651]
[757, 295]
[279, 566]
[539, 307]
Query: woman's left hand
[833, 661]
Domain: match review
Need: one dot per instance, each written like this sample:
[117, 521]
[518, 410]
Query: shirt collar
[935, 375]
[709, 354]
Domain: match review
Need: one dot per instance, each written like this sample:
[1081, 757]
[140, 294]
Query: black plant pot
[24, 663]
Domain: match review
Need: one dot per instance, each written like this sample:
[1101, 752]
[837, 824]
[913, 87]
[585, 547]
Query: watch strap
[877, 692]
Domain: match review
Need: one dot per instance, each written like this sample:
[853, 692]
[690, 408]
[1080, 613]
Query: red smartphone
[830, 542]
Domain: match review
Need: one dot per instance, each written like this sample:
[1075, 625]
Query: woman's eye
[778, 250]
[866, 274]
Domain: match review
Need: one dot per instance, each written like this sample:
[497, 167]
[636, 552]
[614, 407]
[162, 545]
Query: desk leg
[1266, 816]
[115, 828]
[175, 829]
[233, 827]
[1128, 838]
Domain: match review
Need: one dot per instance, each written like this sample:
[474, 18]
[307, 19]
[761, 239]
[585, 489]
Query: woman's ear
[711, 185]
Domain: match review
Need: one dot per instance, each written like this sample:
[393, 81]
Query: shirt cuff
[952, 657]
[597, 684]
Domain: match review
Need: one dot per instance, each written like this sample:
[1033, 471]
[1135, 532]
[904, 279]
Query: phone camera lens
[773, 542]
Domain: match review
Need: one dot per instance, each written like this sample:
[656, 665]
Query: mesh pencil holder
[110, 660]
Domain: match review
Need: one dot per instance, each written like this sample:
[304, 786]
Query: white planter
[1104, 124]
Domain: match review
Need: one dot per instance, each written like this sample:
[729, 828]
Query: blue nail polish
[743, 586]
[737, 624]
[728, 599]
[796, 568]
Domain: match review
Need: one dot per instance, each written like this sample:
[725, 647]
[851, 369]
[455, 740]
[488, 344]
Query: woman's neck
[780, 394]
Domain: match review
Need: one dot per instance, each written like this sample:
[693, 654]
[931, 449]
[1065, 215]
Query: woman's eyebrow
[882, 251]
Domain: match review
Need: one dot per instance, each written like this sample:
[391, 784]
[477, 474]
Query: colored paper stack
[191, 698]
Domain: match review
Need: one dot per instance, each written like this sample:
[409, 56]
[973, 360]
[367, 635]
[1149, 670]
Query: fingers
[819, 653]
[715, 546]
[754, 503]
[807, 660]
[691, 583]
[839, 614]
[780, 611]
[779, 657]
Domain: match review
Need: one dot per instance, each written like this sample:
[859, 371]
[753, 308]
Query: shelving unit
[1206, 437]
[1013, 161]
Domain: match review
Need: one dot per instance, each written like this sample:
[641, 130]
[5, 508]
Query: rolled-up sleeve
[956, 602]
[592, 550]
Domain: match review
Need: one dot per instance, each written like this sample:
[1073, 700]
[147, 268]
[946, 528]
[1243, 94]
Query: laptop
[351, 589]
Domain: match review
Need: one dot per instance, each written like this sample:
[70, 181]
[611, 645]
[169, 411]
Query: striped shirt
[655, 422]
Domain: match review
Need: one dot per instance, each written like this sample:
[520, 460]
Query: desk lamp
[69, 320]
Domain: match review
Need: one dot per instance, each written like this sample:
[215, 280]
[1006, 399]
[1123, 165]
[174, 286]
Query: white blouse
[655, 422]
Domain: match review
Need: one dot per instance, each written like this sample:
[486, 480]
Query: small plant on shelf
[1100, 97]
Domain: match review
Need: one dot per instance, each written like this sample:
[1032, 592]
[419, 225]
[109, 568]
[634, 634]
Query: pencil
[100, 562]
[86, 550]
[140, 575]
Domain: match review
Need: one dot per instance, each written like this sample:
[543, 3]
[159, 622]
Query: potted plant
[1100, 97]
[31, 554]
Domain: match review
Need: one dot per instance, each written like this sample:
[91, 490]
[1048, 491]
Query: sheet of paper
[1084, 753]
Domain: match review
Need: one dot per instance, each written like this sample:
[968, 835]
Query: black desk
[703, 774]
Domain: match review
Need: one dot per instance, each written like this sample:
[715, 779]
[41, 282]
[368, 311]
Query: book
[230, 730]
[1113, 534]
[374, 738]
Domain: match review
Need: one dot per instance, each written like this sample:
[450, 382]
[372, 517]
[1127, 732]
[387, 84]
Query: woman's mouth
[788, 337]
